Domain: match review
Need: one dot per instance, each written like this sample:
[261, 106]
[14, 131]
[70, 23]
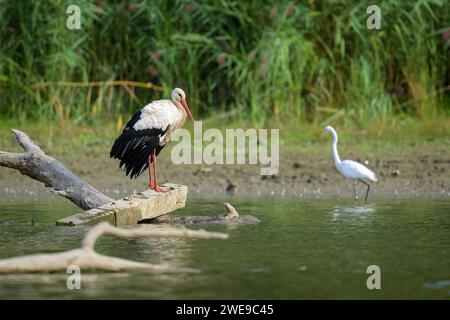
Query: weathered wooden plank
[134, 208]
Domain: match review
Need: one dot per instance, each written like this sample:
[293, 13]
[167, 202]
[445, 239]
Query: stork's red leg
[157, 188]
[149, 173]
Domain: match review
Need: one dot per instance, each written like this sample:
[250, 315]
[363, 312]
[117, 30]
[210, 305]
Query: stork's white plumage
[146, 134]
[351, 169]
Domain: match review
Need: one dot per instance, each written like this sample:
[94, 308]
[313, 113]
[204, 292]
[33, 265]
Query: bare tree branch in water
[86, 258]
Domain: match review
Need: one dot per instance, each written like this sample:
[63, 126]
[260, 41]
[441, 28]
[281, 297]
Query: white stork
[146, 134]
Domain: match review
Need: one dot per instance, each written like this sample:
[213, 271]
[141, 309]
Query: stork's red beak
[186, 108]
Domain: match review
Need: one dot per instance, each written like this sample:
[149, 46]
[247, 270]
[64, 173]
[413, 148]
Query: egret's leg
[157, 188]
[354, 189]
[367, 193]
[149, 173]
[368, 188]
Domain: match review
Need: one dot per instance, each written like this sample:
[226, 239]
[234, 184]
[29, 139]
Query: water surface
[302, 249]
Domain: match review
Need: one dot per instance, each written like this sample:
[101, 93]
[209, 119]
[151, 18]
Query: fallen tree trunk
[33, 162]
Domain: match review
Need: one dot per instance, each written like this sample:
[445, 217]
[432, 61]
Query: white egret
[351, 170]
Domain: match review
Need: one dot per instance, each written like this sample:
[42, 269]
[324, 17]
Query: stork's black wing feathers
[133, 147]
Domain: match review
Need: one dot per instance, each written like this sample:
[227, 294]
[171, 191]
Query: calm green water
[302, 249]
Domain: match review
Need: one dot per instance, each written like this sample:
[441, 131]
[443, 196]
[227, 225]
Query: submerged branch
[106, 228]
[231, 217]
[87, 259]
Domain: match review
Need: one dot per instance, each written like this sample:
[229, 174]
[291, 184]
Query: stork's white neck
[182, 115]
[180, 108]
[337, 160]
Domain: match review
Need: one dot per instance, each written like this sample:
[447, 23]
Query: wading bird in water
[352, 170]
[146, 134]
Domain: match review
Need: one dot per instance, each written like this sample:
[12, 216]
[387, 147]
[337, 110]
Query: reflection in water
[358, 211]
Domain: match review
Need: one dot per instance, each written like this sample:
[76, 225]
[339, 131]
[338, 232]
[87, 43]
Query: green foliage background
[269, 60]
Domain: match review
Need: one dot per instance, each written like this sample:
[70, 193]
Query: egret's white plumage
[348, 168]
[354, 170]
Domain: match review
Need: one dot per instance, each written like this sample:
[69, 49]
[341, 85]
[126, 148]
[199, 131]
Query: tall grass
[271, 60]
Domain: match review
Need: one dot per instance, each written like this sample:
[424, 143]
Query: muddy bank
[412, 171]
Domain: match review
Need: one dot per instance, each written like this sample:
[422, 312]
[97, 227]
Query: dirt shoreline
[411, 171]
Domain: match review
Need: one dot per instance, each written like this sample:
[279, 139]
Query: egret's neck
[336, 158]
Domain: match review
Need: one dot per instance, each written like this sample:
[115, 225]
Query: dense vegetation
[270, 60]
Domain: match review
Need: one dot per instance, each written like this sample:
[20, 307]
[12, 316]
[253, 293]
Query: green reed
[273, 61]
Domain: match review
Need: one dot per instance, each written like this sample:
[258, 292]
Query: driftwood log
[37, 165]
[34, 163]
[86, 258]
